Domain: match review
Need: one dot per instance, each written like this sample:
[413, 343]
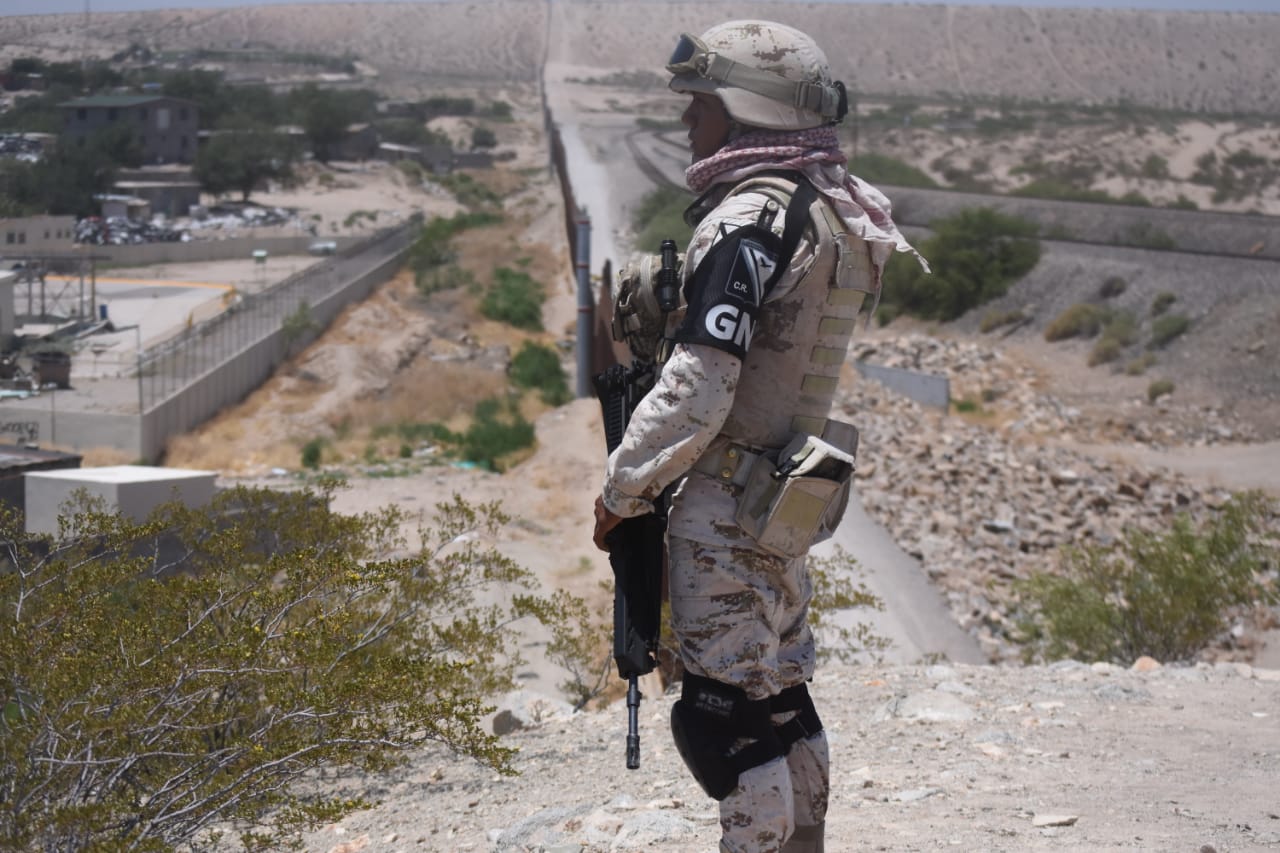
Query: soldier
[786, 246]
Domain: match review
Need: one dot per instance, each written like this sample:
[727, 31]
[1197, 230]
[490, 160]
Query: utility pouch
[790, 504]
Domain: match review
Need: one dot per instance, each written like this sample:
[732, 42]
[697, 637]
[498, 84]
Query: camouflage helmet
[766, 74]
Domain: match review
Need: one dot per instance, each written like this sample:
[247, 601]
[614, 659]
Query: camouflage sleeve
[671, 427]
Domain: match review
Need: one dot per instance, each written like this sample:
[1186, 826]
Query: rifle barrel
[633, 723]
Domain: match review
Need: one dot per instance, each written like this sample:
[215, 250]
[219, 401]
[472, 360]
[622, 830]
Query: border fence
[193, 375]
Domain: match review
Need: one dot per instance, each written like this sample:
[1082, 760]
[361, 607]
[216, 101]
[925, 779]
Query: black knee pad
[805, 723]
[709, 720]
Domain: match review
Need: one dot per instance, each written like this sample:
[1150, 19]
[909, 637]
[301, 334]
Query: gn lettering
[728, 323]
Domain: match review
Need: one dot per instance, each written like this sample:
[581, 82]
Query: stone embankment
[985, 502]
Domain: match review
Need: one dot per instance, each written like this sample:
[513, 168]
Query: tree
[242, 159]
[65, 180]
[157, 678]
[483, 137]
[325, 115]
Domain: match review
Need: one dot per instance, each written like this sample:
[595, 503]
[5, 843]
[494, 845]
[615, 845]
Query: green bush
[1167, 327]
[975, 256]
[469, 192]
[206, 666]
[1139, 365]
[1081, 320]
[1104, 351]
[450, 277]
[538, 367]
[1159, 388]
[514, 298]
[1164, 594]
[311, 453]
[1163, 302]
[496, 432]
[432, 249]
[1112, 287]
[660, 216]
[1146, 236]
[1121, 327]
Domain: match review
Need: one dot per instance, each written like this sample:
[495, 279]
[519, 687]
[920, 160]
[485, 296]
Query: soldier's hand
[605, 522]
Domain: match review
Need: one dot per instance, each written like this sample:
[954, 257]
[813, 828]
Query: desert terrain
[1065, 756]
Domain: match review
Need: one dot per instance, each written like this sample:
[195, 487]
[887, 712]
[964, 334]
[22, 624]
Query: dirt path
[1232, 466]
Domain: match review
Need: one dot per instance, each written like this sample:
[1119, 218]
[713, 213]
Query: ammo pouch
[798, 500]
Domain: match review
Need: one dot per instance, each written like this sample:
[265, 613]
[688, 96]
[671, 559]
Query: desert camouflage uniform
[738, 613]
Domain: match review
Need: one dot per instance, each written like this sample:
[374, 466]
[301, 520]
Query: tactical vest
[789, 377]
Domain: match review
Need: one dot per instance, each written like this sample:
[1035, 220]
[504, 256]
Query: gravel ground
[1065, 757]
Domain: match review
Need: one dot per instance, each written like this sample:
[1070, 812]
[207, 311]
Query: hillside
[1212, 62]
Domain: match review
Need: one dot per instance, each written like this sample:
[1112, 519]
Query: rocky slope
[1066, 757]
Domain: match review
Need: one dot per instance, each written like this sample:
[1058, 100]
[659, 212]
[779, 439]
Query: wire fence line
[249, 319]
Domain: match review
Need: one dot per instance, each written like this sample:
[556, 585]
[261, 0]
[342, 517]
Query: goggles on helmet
[692, 57]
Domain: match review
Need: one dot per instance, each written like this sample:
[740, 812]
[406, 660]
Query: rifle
[636, 544]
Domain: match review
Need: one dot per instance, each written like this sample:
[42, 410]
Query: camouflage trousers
[739, 617]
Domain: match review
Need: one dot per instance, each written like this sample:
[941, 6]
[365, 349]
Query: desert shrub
[1118, 332]
[1146, 236]
[311, 453]
[995, 319]
[201, 667]
[1081, 320]
[432, 249]
[298, 326]
[538, 367]
[469, 192]
[1112, 287]
[975, 256]
[1159, 388]
[496, 431]
[1163, 302]
[1139, 365]
[1155, 167]
[1121, 327]
[1060, 190]
[660, 216]
[483, 137]
[412, 170]
[1182, 203]
[1166, 327]
[514, 298]
[1166, 594]
[1104, 351]
[450, 277]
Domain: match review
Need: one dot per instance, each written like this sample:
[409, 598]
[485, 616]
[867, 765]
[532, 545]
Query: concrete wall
[1238, 234]
[927, 389]
[231, 380]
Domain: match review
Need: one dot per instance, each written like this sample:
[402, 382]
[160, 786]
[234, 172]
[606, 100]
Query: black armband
[725, 292]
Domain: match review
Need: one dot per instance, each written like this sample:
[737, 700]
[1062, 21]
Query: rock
[1145, 664]
[929, 707]
[1042, 820]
